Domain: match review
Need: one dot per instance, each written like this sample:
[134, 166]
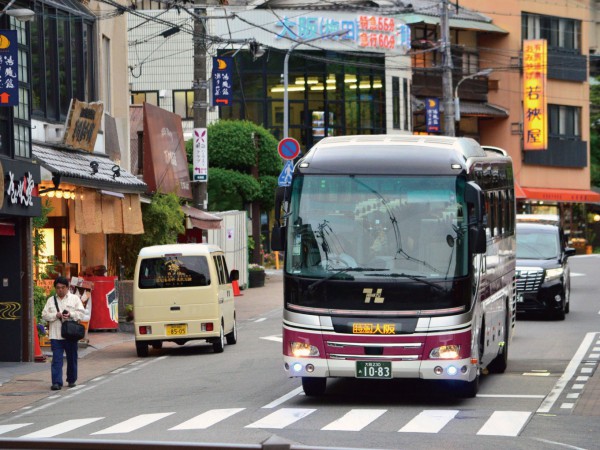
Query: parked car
[542, 272]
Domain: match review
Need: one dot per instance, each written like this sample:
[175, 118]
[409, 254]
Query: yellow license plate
[176, 330]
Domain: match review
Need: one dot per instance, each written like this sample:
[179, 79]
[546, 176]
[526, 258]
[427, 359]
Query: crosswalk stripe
[134, 423]
[504, 423]
[281, 418]
[429, 421]
[14, 426]
[61, 428]
[207, 419]
[355, 420]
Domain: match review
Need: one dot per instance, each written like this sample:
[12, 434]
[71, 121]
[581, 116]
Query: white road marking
[284, 398]
[577, 274]
[568, 374]
[567, 405]
[573, 395]
[262, 319]
[595, 355]
[582, 378]
[578, 386]
[14, 426]
[587, 370]
[281, 418]
[504, 423]
[355, 420]
[276, 338]
[429, 421]
[536, 374]
[134, 423]
[61, 428]
[207, 419]
[510, 396]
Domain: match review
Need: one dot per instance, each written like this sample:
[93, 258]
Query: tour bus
[399, 261]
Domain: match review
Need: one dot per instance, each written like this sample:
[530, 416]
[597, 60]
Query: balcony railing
[428, 83]
[560, 153]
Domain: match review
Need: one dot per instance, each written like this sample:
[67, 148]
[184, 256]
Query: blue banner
[9, 68]
[222, 92]
[432, 115]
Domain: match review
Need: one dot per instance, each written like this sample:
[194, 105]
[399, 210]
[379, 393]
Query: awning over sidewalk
[196, 218]
[562, 195]
[519, 193]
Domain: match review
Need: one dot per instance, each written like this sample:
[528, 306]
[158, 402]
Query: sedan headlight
[302, 349]
[445, 352]
[553, 274]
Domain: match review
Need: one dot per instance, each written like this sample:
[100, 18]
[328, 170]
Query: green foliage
[39, 301]
[38, 239]
[595, 157]
[163, 220]
[229, 189]
[123, 250]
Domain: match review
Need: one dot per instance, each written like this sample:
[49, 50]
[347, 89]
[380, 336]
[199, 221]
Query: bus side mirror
[278, 238]
[475, 199]
[234, 275]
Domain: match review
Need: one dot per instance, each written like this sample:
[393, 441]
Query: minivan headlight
[553, 274]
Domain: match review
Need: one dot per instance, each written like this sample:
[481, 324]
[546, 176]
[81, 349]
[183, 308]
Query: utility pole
[447, 90]
[199, 188]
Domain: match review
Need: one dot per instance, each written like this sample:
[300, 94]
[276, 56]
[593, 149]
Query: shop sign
[9, 68]
[83, 123]
[222, 92]
[432, 115]
[535, 119]
[200, 155]
[19, 187]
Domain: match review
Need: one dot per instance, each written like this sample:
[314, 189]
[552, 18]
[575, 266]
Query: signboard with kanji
[535, 119]
[83, 123]
[9, 68]
[200, 155]
[222, 92]
[432, 115]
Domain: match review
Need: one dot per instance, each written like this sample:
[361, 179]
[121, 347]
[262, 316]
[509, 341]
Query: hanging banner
[200, 155]
[535, 119]
[222, 92]
[432, 115]
[9, 68]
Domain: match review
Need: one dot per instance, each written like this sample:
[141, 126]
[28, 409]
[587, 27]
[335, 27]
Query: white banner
[200, 155]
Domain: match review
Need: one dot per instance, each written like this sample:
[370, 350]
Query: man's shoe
[55, 387]
[72, 385]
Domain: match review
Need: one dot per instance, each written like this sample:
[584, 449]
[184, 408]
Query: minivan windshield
[537, 242]
[174, 271]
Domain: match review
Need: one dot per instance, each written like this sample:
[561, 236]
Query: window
[183, 104]
[564, 122]
[139, 97]
[21, 117]
[396, 102]
[560, 32]
[106, 75]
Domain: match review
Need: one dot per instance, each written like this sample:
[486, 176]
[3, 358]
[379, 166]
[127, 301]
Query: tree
[595, 134]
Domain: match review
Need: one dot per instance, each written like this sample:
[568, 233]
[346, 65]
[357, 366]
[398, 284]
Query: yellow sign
[373, 328]
[535, 118]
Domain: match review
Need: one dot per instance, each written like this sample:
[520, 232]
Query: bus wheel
[141, 348]
[500, 362]
[219, 345]
[314, 387]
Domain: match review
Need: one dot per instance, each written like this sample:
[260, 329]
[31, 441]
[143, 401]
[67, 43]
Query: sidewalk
[23, 383]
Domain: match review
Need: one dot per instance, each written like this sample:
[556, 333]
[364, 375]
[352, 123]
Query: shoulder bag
[70, 329]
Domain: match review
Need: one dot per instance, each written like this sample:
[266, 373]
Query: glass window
[560, 32]
[183, 103]
[139, 97]
[564, 121]
[174, 271]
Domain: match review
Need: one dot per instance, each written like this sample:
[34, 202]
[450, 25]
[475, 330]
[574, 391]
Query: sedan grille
[529, 279]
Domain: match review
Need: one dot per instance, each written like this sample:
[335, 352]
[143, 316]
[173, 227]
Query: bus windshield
[377, 226]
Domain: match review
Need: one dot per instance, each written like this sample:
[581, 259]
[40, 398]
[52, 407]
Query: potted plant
[256, 275]
[128, 312]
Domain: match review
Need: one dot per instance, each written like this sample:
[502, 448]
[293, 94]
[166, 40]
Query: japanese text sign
[83, 123]
[432, 115]
[200, 155]
[222, 92]
[9, 68]
[535, 119]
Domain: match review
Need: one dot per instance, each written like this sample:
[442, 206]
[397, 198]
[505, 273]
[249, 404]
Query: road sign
[285, 178]
[288, 148]
[9, 68]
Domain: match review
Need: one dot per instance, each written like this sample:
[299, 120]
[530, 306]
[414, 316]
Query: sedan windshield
[369, 226]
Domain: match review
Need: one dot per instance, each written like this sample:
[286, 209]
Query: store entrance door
[11, 299]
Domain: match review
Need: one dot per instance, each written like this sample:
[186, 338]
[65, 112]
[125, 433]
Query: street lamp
[21, 14]
[481, 73]
[285, 74]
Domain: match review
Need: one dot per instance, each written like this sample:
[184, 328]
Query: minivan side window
[219, 266]
[174, 271]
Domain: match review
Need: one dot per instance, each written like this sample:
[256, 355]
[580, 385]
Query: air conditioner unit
[53, 133]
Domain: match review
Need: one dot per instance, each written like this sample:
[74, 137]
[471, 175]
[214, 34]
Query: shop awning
[562, 195]
[76, 167]
[196, 218]
[464, 24]
[519, 193]
[476, 109]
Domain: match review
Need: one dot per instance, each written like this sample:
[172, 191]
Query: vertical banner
[432, 115]
[9, 68]
[221, 81]
[535, 119]
[200, 155]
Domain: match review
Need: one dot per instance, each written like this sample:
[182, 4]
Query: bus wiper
[410, 277]
[312, 286]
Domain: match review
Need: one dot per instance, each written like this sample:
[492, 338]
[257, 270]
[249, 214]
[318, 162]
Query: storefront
[18, 204]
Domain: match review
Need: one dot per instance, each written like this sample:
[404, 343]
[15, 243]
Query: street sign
[285, 178]
[9, 68]
[200, 155]
[222, 74]
[288, 148]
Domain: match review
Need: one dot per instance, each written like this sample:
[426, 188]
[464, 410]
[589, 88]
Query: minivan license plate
[373, 369]
[176, 330]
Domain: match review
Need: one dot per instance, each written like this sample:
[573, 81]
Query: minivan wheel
[219, 345]
[141, 348]
[232, 337]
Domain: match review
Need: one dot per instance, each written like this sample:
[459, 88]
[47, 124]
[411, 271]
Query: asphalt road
[190, 394]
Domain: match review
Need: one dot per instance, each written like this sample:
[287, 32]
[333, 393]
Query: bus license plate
[373, 369]
[176, 330]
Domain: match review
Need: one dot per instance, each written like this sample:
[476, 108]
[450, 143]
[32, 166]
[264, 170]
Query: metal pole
[199, 189]
[447, 101]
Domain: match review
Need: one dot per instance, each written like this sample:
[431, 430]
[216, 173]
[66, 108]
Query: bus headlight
[553, 274]
[303, 349]
[445, 352]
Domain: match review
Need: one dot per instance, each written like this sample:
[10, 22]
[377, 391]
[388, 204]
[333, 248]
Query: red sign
[288, 148]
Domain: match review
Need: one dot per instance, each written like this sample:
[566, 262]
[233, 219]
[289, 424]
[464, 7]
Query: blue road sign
[285, 178]
[9, 68]
[288, 148]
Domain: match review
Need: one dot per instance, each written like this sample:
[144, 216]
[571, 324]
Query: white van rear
[183, 292]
